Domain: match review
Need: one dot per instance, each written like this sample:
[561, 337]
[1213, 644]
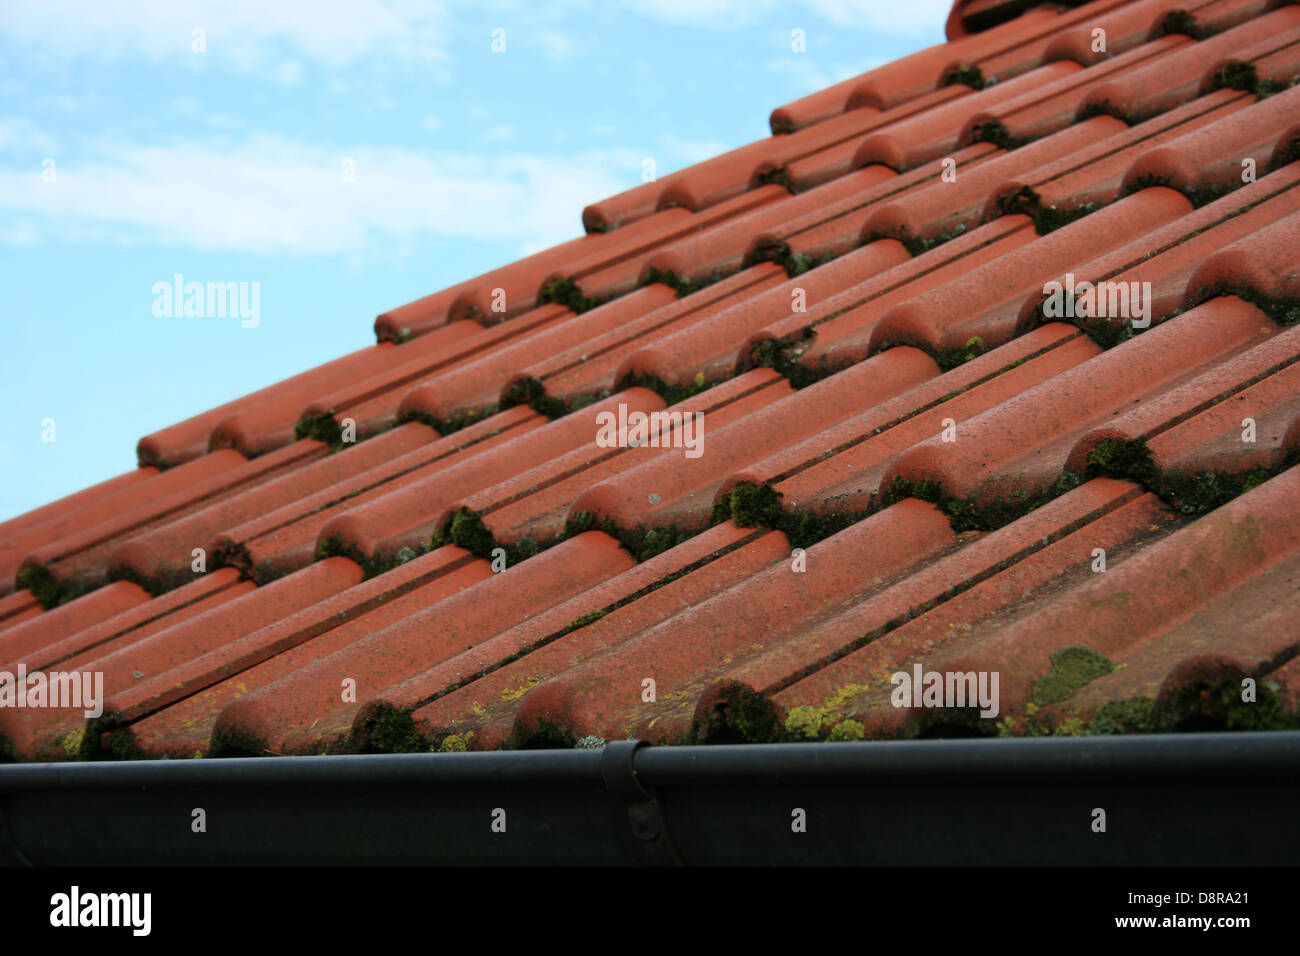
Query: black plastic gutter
[1189, 799]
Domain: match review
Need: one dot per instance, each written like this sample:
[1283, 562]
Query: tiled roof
[910, 456]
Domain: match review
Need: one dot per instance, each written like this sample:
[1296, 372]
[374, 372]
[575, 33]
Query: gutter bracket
[646, 822]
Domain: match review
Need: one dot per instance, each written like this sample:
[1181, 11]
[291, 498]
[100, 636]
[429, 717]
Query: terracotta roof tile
[919, 446]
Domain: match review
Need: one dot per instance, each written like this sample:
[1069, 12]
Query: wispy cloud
[691, 151]
[271, 195]
[807, 74]
[557, 46]
[882, 17]
[247, 35]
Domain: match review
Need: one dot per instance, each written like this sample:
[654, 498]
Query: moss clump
[582, 620]
[1104, 108]
[804, 723]
[671, 393]
[1198, 196]
[971, 514]
[967, 74]
[468, 531]
[1105, 333]
[847, 730]
[780, 355]
[1202, 491]
[919, 245]
[1218, 706]
[543, 734]
[798, 263]
[1121, 458]
[1050, 218]
[454, 743]
[1133, 716]
[1284, 311]
[531, 392]
[642, 543]
[751, 506]
[48, 592]
[995, 132]
[1072, 667]
[776, 176]
[391, 730]
[951, 358]
[739, 715]
[323, 428]
[566, 292]
[656, 541]
[72, 742]
[1236, 75]
[1180, 22]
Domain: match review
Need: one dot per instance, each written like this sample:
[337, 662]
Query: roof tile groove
[991, 358]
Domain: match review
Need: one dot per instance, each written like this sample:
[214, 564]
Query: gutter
[1187, 799]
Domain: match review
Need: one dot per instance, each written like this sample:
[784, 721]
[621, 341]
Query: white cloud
[289, 72]
[691, 151]
[557, 46]
[271, 195]
[710, 13]
[877, 16]
[248, 34]
[431, 122]
[499, 134]
[884, 16]
[19, 234]
[807, 75]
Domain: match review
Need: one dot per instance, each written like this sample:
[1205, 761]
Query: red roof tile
[913, 454]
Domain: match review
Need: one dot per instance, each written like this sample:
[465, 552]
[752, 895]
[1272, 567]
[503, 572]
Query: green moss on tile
[588, 617]
[971, 514]
[1072, 667]
[1218, 706]
[916, 245]
[782, 355]
[684, 285]
[567, 292]
[531, 392]
[804, 723]
[751, 505]
[1136, 715]
[1180, 22]
[542, 734]
[1199, 492]
[740, 714]
[671, 393]
[796, 264]
[454, 743]
[391, 730]
[776, 176]
[847, 730]
[1236, 75]
[966, 74]
[1104, 108]
[323, 428]
[1050, 218]
[1105, 333]
[1124, 459]
[996, 132]
[48, 592]
[1198, 196]
[1282, 310]
[950, 359]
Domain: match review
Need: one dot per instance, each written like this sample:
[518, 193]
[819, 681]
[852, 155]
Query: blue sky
[128, 155]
